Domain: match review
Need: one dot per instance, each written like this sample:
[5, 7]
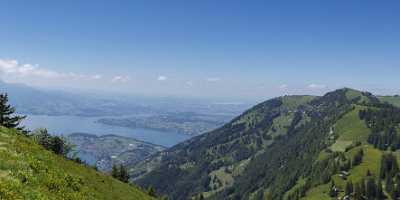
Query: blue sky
[238, 49]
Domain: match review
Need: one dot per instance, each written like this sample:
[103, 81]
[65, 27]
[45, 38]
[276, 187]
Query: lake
[64, 125]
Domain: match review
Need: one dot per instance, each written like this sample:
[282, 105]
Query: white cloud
[316, 86]
[213, 79]
[120, 79]
[14, 70]
[97, 77]
[189, 83]
[283, 86]
[162, 78]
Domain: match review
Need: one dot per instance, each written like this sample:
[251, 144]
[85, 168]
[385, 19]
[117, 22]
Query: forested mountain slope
[291, 147]
[28, 171]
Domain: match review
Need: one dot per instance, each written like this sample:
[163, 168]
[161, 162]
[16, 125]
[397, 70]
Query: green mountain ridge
[291, 147]
[28, 171]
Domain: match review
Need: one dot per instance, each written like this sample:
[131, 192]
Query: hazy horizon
[204, 49]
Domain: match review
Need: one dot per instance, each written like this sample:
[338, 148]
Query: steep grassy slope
[370, 164]
[27, 171]
[285, 148]
[350, 129]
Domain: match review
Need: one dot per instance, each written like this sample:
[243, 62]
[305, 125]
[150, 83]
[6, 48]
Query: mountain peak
[268, 150]
[356, 96]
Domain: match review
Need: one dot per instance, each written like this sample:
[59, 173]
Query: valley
[107, 150]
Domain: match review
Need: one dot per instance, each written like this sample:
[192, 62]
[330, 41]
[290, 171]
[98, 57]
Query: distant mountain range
[106, 150]
[342, 145]
[30, 100]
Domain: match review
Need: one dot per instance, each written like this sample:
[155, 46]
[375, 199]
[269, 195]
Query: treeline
[383, 122]
[322, 171]
[56, 144]
[367, 188]
[370, 186]
[389, 173]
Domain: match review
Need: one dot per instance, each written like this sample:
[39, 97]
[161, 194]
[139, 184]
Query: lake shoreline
[65, 125]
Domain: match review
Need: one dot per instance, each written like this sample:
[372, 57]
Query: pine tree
[395, 166]
[57, 144]
[362, 188]
[115, 172]
[120, 173]
[389, 184]
[379, 192]
[357, 192]
[7, 117]
[333, 191]
[357, 159]
[389, 166]
[124, 176]
[201, 197]
[397, 189]
[151, 191]
[382, 171]
[369, 173]
[371, 189]
[349, 188]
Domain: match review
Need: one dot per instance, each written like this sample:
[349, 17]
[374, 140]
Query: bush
[56, 144]
[120, 173]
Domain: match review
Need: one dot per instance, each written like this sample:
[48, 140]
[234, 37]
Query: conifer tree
[371, 189]
[120, 173]
[357, 192]
[349, 188]
[115, 172]
[397, 189]
[124, 176]
[333, 191]
[151, 191]
[362, 188]
[357, 159]
[389, 184]
[7, 117]
[379, 192]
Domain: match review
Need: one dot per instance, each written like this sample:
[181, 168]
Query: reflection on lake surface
[64, 125]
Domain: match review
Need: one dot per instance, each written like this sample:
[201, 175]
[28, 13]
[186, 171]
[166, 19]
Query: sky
[226, 48]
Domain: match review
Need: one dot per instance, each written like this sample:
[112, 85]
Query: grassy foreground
[27, 171]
